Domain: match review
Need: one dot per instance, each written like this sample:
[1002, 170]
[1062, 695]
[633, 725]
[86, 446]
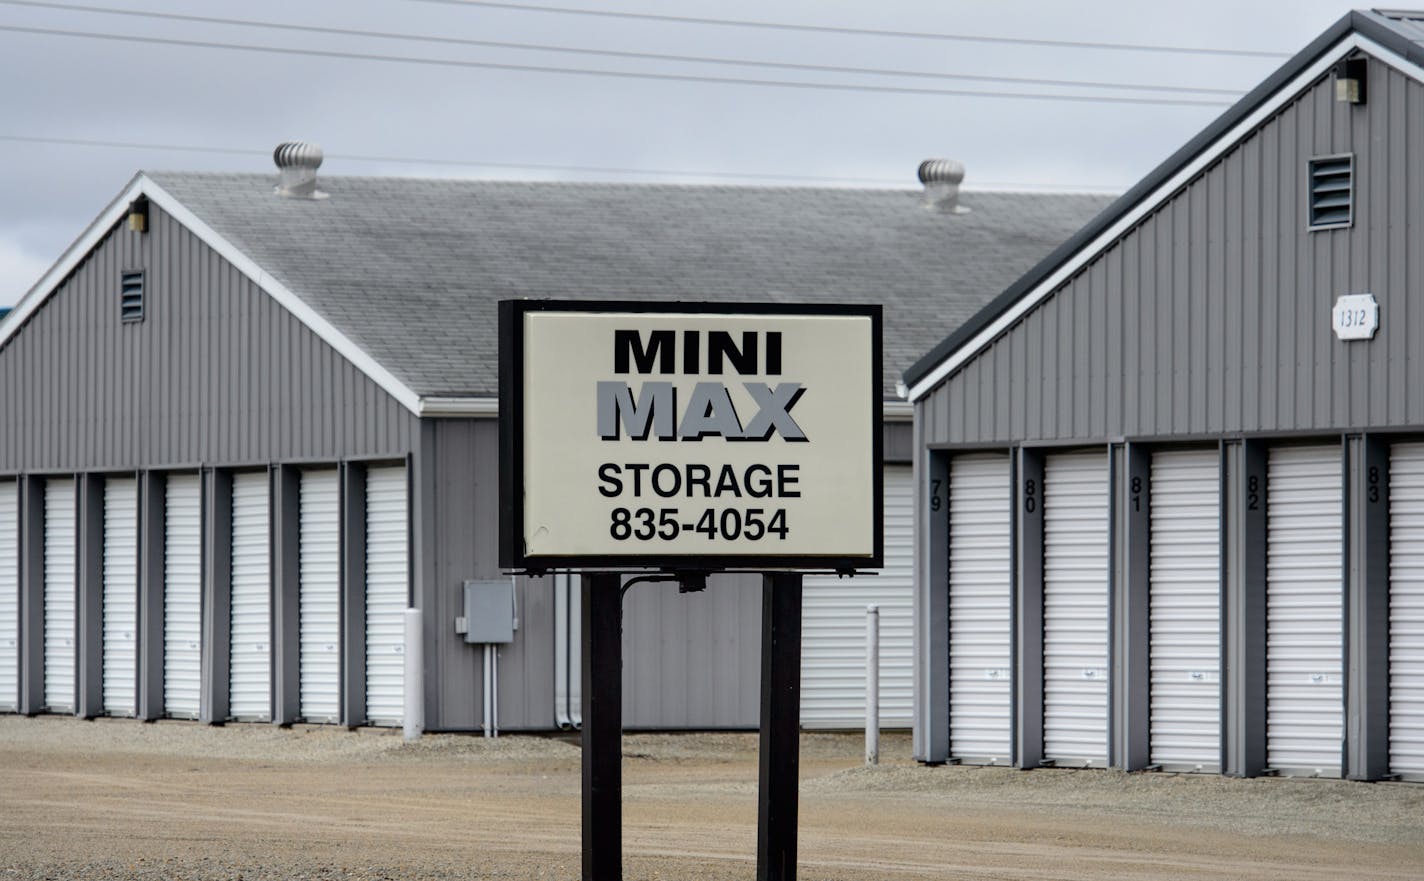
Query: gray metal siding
[216, 372]
[1212, 315]
[692, 660]
[456, 505]
[899, 442]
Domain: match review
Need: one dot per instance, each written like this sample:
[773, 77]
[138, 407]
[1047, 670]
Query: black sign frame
[512, 555]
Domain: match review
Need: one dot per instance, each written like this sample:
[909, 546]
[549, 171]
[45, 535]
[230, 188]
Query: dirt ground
[122, 799]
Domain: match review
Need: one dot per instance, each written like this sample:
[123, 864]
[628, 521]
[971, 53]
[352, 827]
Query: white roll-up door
[980, 625]
[250, 661]
[1406, 610]
[387, 575]
[1184, 605]
[120, 656]
[9, 595]
[1304, 636]
[182, 596]
[319, 596]
[59, 598]
[833, 627]
[1075, 608]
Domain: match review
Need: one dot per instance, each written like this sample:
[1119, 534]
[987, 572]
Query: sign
[690, 435]
[1355, 317]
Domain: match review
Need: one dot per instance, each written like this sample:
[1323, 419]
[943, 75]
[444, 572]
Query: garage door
[1185, 610]
[59, 599]
[1304, 646]
[182, 596]
[980, 684]
[1406, 610]
[319, 596]
[120, 596]
[9, 596]
[250, 663]
[1075, 608]
[387, 573]
[833, 628]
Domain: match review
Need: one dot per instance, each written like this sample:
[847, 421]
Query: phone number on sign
[729, 524]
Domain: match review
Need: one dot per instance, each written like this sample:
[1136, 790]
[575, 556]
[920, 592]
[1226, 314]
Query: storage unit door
[387, 578]
[1304, 636]
[1184, 605]
[250, 662]
[1075, 608]
[9, 596]
[120, 596]
[319, 596]
[980, 624]
[833, 627]
[182, 596]
[59, 599]
[1406, 611]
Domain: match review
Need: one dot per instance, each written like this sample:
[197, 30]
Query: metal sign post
[602, 728]
[780, 747]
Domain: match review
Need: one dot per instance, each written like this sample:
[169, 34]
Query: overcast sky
[551, 125]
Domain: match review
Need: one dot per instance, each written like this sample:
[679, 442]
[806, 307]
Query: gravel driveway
[123, 799]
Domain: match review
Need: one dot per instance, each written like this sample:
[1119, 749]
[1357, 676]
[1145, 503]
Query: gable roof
[1396, 38]
[402, 276]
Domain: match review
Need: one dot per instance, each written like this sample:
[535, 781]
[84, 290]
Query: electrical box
[490, 613]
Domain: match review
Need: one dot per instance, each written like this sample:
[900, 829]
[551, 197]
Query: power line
[866, 32]
[614, 53]
[617, 74]
[450, 163]
[135, 145]
[526, 166]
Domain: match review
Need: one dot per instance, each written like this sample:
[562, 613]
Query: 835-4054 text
[728, 524]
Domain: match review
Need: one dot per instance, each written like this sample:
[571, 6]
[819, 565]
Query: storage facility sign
[690, 435]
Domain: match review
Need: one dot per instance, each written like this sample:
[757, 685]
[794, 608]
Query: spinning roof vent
[298, 162]
[941, 178]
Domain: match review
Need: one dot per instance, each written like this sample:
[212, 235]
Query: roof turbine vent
[941, 178]
[298, 161]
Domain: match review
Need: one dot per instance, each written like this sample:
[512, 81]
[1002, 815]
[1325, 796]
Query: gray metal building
[1169, 485]
[241, 430]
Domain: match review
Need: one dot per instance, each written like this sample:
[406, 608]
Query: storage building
[1170, 481]
[242, 428]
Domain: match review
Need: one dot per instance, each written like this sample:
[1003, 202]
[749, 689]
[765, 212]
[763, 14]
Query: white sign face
[679, 436]
[1355, 317]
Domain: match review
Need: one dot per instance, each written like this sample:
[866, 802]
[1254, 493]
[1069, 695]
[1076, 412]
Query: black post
[780, 726]
[602, 728]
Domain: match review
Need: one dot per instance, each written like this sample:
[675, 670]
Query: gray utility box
[490, 614]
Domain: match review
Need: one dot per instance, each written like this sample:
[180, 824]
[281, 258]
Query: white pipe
[489, 686]
[562, 717]
[872, 684]
[413, 721]
[576, 650]
[494, 690]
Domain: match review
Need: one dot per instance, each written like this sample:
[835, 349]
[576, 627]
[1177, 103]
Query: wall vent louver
[1332, 191]
[131, 296]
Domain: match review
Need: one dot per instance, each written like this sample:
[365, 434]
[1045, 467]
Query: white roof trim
[478, 407]
[1228, 140]
[142, 185]
[898, 411]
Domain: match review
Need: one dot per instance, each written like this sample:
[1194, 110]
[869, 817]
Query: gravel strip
[340, 780]
[1368, 812]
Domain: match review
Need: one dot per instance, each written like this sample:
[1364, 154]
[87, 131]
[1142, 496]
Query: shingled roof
[408, 271]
